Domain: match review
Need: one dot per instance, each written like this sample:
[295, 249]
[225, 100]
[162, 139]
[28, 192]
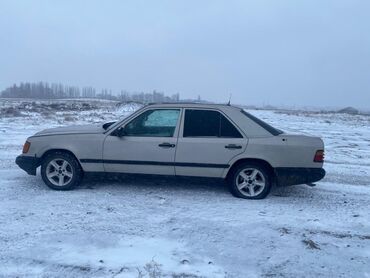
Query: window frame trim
[175, 132]
[182, 126]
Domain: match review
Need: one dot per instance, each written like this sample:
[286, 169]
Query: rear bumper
[291, 176]
[28, 164]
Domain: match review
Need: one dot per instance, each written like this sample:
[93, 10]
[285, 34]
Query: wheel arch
[257, 161]
[50, 151]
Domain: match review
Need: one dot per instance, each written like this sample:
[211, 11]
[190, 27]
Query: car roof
[244, 121]
[192, 105]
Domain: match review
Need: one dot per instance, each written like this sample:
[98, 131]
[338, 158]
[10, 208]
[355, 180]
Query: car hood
[76, 129]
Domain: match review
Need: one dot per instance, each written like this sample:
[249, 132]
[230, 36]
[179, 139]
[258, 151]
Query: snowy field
[156, 227]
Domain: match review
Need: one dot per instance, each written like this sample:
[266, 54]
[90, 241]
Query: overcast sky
[292, 53]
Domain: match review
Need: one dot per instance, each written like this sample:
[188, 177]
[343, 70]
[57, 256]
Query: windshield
[269, 128]
[124, 114]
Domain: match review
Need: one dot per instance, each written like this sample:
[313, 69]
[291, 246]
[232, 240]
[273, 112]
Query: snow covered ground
[145, 227]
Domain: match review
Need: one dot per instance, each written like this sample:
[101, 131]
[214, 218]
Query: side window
[228, 130]
[207, 123]
[154, 123]
[201, 123]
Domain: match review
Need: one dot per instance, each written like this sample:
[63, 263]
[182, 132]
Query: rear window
[272, 130]
[208, 123]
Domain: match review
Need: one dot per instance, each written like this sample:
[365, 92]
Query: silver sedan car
[179, 139]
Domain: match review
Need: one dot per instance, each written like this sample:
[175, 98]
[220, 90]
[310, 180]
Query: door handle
[233, 146]
[166, 145]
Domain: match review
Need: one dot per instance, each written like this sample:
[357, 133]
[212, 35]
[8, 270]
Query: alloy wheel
[250, 182]
[59, 172]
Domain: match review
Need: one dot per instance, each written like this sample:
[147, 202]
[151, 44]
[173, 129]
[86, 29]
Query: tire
[61, 171]
[250, 181]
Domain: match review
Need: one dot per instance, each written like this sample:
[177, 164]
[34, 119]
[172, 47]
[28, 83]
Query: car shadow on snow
[191, 185]
[95, 181]
[158, 184]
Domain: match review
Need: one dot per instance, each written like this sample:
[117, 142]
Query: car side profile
[179, 139]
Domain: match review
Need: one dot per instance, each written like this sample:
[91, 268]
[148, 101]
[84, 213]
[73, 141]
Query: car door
[146, 144]
[208, 140]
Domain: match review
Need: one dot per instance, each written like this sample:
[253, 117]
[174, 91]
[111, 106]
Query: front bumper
[291, 176]
[28, 164]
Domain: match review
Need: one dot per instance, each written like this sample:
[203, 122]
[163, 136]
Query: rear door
[208, 140]
[148, 146]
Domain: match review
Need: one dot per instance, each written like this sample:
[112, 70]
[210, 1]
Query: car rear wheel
[61, 171]
[250, 181]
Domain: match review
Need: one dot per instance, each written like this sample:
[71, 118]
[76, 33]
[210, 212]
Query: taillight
[26, 147]
[319, 156]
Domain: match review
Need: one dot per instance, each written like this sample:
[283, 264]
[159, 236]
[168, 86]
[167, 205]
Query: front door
[208, 140]
[147, 146]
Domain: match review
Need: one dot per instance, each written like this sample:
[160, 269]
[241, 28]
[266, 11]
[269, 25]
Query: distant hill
[349, 110]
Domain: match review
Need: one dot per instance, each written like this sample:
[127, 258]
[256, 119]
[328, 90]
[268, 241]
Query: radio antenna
[229, 99]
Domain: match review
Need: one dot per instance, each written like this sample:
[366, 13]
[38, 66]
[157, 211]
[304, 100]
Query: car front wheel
[250, 181]
[61, 171]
